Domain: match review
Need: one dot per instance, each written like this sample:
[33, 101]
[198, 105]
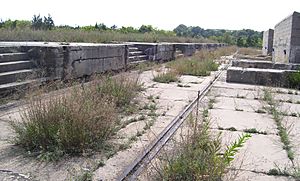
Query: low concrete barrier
[264, 65]
[74, 60]
[268, 77]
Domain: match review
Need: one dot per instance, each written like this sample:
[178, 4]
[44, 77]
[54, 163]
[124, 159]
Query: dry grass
[249, 51]
[166, 77]
[80, 120]
[60, 35]
[202, 63]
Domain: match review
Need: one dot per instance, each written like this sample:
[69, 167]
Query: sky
[259, 15]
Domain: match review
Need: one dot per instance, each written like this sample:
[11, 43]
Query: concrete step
[133, 49]
[138, 58]
[137, 62]
[135, 53]
[13, 66]
[7, 57]
[6, 89]
[16, 76]
[5, 49]
[179, 55]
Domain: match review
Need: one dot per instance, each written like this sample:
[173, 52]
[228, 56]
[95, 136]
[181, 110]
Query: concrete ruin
[25, 62]
[286, 43]
[267, 47]
[285, 55]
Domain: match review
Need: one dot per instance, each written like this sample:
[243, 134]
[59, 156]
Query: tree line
[242, 38]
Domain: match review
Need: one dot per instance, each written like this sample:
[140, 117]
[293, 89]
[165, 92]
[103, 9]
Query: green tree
[48, 23]
[181, 30]
[146, 29]
[37, 22]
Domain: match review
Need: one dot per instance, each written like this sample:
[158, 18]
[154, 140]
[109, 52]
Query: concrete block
[268, 77]
[264, 65]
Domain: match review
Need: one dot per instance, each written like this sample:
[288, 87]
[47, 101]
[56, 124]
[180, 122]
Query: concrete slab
[237, 104]
[252, 176]
[242, 120]
[260, 153]
[228, 92]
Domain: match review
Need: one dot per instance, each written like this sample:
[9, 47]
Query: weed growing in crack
[277, 116]
[254, 130]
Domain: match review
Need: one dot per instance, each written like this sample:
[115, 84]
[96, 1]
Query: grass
[249, 51]
[201, 63]
[166, 77]
[254, 130]
[121, 89]
[211, 102]
[261, 111]
[61, 35]
[80, 120]
[277, 116]
[294, 81]
[197, 156]
[239, 109]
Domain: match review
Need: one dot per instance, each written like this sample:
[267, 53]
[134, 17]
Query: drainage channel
[139, 164]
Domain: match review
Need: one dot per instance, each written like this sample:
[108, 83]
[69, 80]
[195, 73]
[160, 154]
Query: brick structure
[268, 42]
[286, 42]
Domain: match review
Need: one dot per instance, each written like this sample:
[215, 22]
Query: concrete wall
[76, 60]
[188, 49]
[267, 47]
[295, 42]
[157, 51]
[286, 42]
[65, 61]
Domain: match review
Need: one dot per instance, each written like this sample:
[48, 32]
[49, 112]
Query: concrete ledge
[268, 77]
[264, 65]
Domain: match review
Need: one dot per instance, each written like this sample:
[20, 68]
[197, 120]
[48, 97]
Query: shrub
[294, 80]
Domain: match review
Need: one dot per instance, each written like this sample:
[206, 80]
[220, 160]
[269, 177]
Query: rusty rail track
[139, 164]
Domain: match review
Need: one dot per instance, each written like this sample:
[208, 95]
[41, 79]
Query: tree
[240, 42]
[181, 30]
[48, 23]
[146, 29]
[37, 22]
[196, 31]
[114, 27]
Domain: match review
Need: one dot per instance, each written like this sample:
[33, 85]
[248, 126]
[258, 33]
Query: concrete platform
[255, 76]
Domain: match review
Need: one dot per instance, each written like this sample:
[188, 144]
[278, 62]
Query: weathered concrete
[267, 47]
[287, 40]
[269, 77]
[264, 65]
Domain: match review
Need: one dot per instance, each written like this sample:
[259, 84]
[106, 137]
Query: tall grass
[202, 63]
[249, 51]
[63, 35]
[198, 156]
[80, 120]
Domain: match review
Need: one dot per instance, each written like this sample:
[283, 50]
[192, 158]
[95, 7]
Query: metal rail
[138, 165]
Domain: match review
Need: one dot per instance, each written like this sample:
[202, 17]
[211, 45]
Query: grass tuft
[80, 120]
[166, 77]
